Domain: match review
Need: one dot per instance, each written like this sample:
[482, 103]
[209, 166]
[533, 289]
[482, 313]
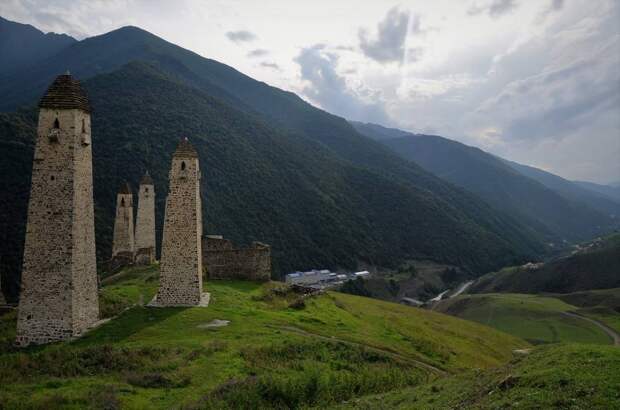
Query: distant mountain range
[22, 45]
[275, 168]
[555, 209]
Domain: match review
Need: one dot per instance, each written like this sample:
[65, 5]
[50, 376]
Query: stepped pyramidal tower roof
[65, 93]
[185, 150]
[146, 179]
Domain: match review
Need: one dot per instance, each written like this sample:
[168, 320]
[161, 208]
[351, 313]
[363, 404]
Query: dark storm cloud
[495, 9]
[389, 43]
[329, 89]
[259, 52]
[241, 36]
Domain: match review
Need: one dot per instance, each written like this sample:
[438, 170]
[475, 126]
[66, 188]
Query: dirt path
[350, 343]
[615, 336]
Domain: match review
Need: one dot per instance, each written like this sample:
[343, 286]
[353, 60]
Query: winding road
[615, 336]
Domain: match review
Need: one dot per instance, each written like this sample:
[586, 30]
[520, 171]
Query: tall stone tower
[180, 281]
[145, 222]
[123, 240]
[58, 297]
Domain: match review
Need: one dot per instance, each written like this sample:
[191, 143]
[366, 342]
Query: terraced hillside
[277, 350]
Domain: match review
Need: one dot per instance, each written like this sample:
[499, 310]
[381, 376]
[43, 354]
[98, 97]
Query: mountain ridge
[555, 212]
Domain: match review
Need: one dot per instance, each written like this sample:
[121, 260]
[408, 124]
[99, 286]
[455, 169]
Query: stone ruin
[180, 278]
[223, 261]
[58, 296]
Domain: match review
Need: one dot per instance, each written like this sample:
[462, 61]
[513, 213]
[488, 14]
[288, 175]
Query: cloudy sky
[535, 81]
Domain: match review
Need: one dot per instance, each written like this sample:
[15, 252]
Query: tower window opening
[52, 177]
[122, 201]
[56, 123]
[183, 166]
[83, 125]
[146, 190]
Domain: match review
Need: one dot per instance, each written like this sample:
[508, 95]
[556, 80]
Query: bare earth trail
[365, 346]
[615, 336]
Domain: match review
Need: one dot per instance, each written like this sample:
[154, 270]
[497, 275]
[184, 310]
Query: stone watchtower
[58, 298]
[123, 241]
[180, 281]
[145, 222]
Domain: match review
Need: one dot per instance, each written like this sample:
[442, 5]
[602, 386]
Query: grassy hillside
[556, 212]
[594, 265]
[277, 351]
[537, 319]
[551, 377]
[602, 305]
[260, 182]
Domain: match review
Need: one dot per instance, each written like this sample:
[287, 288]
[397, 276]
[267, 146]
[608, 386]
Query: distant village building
[145, 222]
[223, 261]
[181, 254]
[123, 240]
[321, 278]
[58, 297]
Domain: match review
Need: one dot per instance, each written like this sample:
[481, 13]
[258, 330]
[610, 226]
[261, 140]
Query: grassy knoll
[551, 377]
[277, 351]
[537, 319]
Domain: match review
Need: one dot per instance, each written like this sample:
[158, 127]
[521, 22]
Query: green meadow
[278, 350]
[537, 319]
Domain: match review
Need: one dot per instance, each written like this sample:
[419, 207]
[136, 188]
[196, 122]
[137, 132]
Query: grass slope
[602, 305]
[551, 377]
[327, 349]
[537, 319]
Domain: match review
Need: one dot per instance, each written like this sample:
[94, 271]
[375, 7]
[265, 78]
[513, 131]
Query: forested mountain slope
[260, 183]
[557, 212]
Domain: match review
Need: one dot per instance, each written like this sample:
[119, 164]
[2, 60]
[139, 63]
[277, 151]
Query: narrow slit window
[123, 202]
[83, 125]
[183, 166]
[56, 123]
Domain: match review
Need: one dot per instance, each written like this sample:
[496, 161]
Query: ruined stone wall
[123, 240]
[181, 257]
[145, 225]
[58, 296]
[223, 261]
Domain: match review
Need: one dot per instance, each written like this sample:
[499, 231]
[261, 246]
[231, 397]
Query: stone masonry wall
[181, 257]
[58, 297]
[145, 225]
[223, 261]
